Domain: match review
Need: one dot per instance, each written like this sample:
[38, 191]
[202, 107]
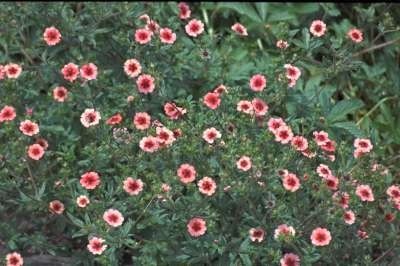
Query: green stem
[374, 108]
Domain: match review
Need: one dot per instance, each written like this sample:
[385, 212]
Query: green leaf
[243, 9]
[75, 220]
[262, 9]
[342, 108]
[246, 259]
[351, 127]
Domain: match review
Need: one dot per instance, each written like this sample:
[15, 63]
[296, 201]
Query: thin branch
[375, 47]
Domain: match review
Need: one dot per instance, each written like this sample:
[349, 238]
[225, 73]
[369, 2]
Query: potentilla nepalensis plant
[157, 136]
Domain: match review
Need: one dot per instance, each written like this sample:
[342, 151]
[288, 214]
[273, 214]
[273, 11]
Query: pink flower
[167, 36]
[149, 144]
[239, 29]
[355, 35]
[332, 182]
[291, 182]
[196, 227]
[220, 89]
[142, 120]
[152, 26]
[186, 173]
[394, 192]
[90, 117]
[172, 111]
[184, 11]
[284, 134]
[132, 68]
[143, 36]
[364, 192]
[283, 231]
[194, 28]
[259, 106]
[281, 44]
[60, 94]
[256, 234]
[245, 107]
[363, 145]
[258, 82]
[207, 186]
[275, 123]
[133, 186]
[300, 143]
[35, 152]
[70, 72]
[210, 134]
[7, 113]
[89, 71]
[12, 70]
[90, 180]
[323, 170]
[212, 100]
[145, 83]
[244, 163]
[290, 259]
[82, 201]
[320, 137]
[29, 128]
[292, 72]
[56, 207]
[96, 245]
[165, 136]
[349, 217]
[318, 28]
[114, 120]
[113, 217]
[14, 259]
[329, 146]
[52, 36]
[320, 237]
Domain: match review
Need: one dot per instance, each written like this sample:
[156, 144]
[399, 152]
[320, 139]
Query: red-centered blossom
[363, 145]
[212, 100]
[275, 123]
[70, 72]
[194, 28]
[42, 142]
[244, 163]
[132, 68]
[245, 107]
[184, 11]
[173, 112]
[7, 113]
[149, 144]
[323, 170]
[51, 36]
[292, 72]
[82, 201]
[90, 180]
[364, 192]
[90, 117]
[291, 182]
[389, 217]
[210, 134]
[145, 83]
[349, 217]
[393, 192]
[145, 18]
[35, 152]
[259, 106]
[167, 36]
[113, 217]
[300, 143]
[165, 136]
[29, 128]
[207, 186]
[329, 146]
[60, 94]
[320, 137]
[152, 26]
[258, 82]
[12, 70]
[256, 234]
[362, 234]
[284, 134]
[14, 259]
[318, 28]
[56, 207]
[290, 259]
[220, 89]
[96, 245]
[281, 44]
[332, 182]
[186, 173]
[284, 231]
[196, 227]
[320, 237]
[89, 71]
[143, 36]
[239, 29]
[133, 186]
[114, 120]
[142, 120]
[355, 35]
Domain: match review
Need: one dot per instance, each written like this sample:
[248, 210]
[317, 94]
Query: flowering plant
[168, 139]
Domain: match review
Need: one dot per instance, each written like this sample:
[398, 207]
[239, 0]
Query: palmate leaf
[246, 9]
[351, 127]
[342, 108]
